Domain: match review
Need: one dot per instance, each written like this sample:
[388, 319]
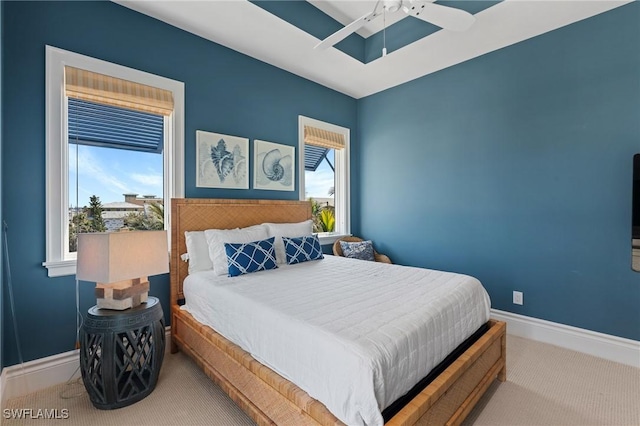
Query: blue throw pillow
[302, 249]
[362, 250]
[244, 258]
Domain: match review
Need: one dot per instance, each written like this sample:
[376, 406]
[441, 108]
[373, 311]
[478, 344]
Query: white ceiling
[249, 29]
[347, 11]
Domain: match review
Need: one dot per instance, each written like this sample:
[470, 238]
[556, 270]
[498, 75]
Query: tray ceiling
[247, 28]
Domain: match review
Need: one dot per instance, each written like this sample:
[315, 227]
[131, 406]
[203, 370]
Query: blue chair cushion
[362, 250]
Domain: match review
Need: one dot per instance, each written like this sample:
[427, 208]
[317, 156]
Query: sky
[318, 183]
[109, 173]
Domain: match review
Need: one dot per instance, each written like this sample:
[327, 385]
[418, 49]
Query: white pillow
[217, 237]
[291, 230]
[198, 251]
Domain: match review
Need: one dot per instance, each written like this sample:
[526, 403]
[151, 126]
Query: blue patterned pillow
[362, 250]
[244, 258]
[302, 249]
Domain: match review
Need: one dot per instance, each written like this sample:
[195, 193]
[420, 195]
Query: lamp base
[122, 295]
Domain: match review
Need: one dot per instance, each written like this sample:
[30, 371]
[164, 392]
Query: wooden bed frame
[266, 396]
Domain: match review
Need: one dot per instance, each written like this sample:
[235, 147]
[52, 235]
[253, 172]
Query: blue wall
[225, 92]
[516, 167]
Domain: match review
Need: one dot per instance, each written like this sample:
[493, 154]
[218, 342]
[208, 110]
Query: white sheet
[355, 335]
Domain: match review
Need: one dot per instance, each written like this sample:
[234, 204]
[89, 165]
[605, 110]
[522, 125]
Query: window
[114, 152]
[79, 88]
[324, 176]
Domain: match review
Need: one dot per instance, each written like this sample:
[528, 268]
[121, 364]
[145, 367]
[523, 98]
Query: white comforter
[354, 335]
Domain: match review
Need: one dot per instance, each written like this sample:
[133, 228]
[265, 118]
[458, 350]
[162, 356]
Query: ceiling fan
[443, 16]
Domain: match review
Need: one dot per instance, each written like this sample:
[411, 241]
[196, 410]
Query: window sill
[328, 238]
[60, 268]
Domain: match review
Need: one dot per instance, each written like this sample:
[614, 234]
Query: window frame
[59, 261]
[342, 180]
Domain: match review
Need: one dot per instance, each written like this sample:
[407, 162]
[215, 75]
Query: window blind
[323, 138]
[96, 124]
[106, 90]
[313, 156]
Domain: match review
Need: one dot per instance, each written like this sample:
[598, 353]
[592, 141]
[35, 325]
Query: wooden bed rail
[268, 398]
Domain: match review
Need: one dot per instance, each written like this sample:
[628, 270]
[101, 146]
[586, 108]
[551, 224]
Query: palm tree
[153, 219]
[157, 211]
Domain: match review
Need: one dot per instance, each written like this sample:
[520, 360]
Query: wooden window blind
[323, 138]
[103, 89]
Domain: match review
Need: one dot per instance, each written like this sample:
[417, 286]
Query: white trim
[58, 269]
[58, 261]
[3, 386]
[342, 184]
[19, 380]
[32, 376]
[327, 238]
[613, 348]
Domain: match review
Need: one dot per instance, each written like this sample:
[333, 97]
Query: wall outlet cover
[517, 298]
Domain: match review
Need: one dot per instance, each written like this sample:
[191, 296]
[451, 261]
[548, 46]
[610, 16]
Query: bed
[266, 396]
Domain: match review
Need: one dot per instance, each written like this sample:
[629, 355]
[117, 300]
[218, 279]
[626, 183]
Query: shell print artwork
[222, 161]
[239, 165]
[228, 162]
[274, 166]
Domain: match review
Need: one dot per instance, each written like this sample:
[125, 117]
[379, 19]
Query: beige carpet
[546, 385]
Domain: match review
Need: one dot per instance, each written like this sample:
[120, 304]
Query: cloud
[90, 167]
[109, 173]
[318, 183]
[151, 179]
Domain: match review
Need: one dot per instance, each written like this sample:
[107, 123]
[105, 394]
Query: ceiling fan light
[392, 5]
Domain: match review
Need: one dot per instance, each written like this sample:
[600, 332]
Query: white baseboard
[22, 379]
[41, 373]
[3, 386]
[38, 374]
[613, 348]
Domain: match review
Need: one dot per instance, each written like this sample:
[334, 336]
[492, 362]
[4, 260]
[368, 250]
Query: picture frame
[222, 161]
[273, 166]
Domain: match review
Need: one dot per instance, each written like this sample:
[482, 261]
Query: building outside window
[112, 133]
[112, 152]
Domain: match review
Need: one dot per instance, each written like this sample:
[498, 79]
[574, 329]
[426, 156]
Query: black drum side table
[121, 353]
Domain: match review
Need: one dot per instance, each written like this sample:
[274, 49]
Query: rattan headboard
[197, 214]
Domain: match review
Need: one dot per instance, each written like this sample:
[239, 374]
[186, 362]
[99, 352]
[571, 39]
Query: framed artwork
[221, 161]
[274, 166]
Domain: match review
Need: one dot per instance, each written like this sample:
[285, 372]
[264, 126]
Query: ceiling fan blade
[445, 17]
[345, 32]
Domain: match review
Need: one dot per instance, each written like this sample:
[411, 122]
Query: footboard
[269, 399]
[453, 394]
[265, 396]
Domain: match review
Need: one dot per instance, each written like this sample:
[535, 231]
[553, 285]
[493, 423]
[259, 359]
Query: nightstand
[121, 353]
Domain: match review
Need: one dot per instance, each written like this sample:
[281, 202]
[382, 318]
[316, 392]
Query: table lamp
[120, 263]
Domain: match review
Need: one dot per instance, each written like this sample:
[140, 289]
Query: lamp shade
[108, 257]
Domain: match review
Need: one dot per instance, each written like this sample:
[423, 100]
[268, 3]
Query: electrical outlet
[517, 298]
